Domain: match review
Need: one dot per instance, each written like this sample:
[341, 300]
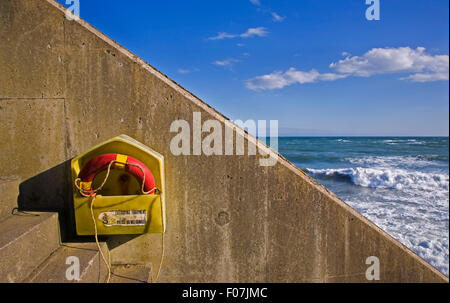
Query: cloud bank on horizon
[421, 67]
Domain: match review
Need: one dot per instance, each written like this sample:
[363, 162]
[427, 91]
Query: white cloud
[277, 18]
[251, 32]
[226, 62]
[256, 31]
[222, 35]
[426, 77]
[420, 66]
[278, 79]
[266, 10]
[187, 71]
[396, 60]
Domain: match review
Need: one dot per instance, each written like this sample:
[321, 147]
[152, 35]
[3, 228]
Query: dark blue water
[399, 183]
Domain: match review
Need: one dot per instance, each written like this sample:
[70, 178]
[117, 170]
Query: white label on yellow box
[132, 217]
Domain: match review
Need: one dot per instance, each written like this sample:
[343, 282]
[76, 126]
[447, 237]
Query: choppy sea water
[399, 183]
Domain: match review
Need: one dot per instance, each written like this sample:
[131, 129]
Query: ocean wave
[414, 141]
[433, 157]
[395, 161]
[405, 141]
[393, 178]
[304, 158]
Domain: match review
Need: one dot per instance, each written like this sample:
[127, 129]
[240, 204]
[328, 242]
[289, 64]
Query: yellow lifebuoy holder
[126, 178]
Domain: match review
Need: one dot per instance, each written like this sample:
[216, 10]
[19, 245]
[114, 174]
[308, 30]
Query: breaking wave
[393, 178]
[396, 161]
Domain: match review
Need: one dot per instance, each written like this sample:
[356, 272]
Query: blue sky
[318, 66]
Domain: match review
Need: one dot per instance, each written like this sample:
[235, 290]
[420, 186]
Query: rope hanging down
[92, 194]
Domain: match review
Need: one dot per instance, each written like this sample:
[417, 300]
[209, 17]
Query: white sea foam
[414, 141]
[394, 178]
[410, 205]
[405, 141]
[389, 141]
[392, 161]
[424, 229]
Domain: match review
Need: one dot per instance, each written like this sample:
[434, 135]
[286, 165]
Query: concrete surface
[9, 191]
[26, 240]
[53, 270]
[39, 123]
[66, 87]
[131, 273]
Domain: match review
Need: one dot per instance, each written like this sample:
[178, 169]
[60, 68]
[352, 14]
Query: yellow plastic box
[117, 214]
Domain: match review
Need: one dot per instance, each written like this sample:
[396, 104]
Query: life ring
[131, 165]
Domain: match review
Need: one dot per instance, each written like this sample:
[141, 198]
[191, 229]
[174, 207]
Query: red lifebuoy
[101, 163]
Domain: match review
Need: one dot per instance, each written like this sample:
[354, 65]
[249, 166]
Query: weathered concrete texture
[228, 218]
[9, 191]
[131, 273]
[32, 61]
[26, 240]
[32, 136]
[92, 267]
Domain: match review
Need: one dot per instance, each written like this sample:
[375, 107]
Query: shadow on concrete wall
[51, 191]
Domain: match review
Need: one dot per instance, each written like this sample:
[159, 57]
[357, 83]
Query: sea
[399, 183]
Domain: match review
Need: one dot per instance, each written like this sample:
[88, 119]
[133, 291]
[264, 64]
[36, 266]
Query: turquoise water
[399, 183]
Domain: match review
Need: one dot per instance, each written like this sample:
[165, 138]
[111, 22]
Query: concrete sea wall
[65, 87]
